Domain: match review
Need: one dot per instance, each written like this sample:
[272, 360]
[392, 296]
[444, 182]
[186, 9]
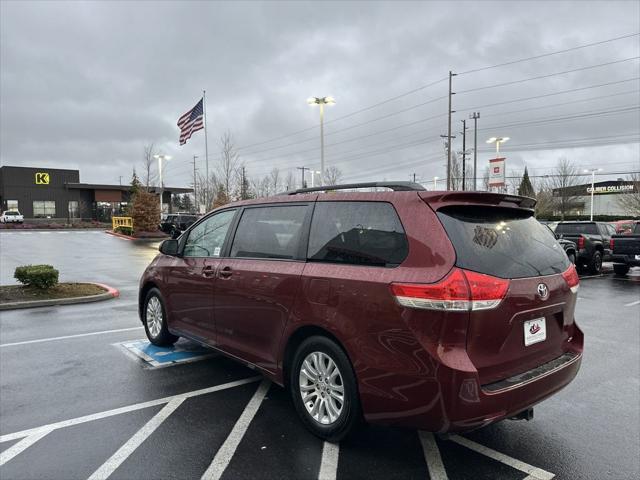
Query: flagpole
[206, 147]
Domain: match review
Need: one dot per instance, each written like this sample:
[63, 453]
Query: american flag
[190, 122]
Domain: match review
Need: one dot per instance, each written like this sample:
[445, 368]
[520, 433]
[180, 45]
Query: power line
[549, 54]
[522, 80]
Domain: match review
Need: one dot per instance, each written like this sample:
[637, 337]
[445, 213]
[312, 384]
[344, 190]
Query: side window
[612, 230]
[269, 232]
[207, 238]
[357, 233]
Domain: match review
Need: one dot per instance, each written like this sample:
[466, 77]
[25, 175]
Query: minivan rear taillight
[461, 290]
[570, 276]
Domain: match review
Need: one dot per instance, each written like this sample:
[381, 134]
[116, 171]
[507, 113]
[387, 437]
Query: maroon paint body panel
[436, 370]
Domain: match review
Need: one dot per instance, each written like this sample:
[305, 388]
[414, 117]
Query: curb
[135, 239]
[108, 295]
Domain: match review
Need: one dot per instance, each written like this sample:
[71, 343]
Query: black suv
[176, 223]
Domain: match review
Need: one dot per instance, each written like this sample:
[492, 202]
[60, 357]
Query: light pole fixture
[160, 157]
[592, 171]
[321, 101]
[498, 141]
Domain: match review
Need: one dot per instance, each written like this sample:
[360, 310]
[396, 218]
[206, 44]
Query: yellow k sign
[42, 178]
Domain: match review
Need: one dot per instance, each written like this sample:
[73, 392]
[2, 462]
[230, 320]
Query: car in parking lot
[176, 223]
[592, 240]
[11, 216]
[625, 250]
[443, 311]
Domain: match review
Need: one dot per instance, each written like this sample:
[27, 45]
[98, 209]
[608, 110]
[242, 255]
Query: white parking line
[66, 337]
[110, 466]
[432, 456]
[129, 408]
[329, 462]
[23, 444]
[533, 472]
[228, 448]
[637, 302]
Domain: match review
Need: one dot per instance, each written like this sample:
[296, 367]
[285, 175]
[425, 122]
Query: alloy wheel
[154, 316]
[321, 388]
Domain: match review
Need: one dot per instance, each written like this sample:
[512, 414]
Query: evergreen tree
[526, 189]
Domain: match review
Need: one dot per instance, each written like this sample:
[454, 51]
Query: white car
[11, 216]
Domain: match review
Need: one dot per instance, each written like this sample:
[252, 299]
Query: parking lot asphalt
[74, 403]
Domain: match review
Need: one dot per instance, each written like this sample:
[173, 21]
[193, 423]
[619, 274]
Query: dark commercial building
[53, 193]
[608, 197]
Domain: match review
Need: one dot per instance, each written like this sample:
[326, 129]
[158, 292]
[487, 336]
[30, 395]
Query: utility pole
[449, 137]
[195, 185]
[414, 178]
[120, 176]
[464, 154]
[475, 116]
[447, 142]
[303, 169]
[243, 185]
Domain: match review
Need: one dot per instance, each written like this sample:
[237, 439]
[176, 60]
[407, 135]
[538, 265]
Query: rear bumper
[454, 400]
[626, 259]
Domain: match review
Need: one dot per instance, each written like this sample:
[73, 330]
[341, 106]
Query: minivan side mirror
[169, 247]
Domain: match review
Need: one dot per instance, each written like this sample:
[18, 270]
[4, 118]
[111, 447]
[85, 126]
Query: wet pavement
[87, 406]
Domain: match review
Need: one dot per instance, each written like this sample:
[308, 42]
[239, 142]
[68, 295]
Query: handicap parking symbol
[157, 357]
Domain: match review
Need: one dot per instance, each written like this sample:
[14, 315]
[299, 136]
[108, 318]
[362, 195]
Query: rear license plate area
[535, 331]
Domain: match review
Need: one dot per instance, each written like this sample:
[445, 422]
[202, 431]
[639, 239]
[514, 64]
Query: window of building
[44, 208]
[73, 209]
[12, 205]
[207, 238]
[269, 232]
[357, 233]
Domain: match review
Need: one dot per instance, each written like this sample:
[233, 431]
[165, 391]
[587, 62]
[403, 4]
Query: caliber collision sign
[496, 172]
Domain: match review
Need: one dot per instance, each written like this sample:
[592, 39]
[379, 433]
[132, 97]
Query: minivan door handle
[226, 272]
[208, 271]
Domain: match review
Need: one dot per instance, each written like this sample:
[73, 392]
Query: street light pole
[321, 101]
[435, 183]
[475, 116]
[593, 181]
[161, 157]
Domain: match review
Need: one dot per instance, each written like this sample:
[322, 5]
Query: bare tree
[290, 181]
[456, 172]
[561, 183]
[149, 176]
[630, 202]
[332, 175]
[544, 203]
[274, 181]
[228, 168]
[484, 184]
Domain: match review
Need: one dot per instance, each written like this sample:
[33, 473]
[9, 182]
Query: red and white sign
[496, 172]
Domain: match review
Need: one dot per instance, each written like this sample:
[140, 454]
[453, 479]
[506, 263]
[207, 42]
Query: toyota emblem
[543, 291]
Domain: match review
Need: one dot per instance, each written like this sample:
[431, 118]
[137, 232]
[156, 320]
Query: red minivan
[443, 311]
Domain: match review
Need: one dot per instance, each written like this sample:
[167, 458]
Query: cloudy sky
[86, 85]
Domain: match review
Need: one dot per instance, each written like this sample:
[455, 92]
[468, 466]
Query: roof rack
[395, 186]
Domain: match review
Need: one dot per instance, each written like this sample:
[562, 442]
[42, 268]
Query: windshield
[502, 242]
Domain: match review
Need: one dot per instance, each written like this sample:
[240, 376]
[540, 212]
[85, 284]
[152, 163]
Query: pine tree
[526, 189]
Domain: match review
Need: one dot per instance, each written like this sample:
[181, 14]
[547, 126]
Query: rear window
[577, 228]
[12, 213]
[357, 233]
[502, 242]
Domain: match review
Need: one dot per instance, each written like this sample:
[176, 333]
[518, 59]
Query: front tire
[155, 320]
[621, 269]
[324, 389]
[595, 265]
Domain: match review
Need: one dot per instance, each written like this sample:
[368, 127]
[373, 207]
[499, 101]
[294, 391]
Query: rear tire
[621, 269]
[572, 258]
[322, 373]
[155, 320]
[595, 265]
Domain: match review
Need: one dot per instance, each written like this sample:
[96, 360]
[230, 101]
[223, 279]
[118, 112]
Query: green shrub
[124, 230]
[38, 276]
